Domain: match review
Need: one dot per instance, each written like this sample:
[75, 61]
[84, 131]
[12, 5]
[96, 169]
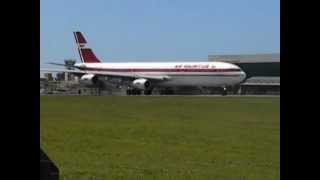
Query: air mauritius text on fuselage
[194, 66]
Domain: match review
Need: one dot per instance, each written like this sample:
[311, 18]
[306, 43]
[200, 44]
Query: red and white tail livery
[86, 54]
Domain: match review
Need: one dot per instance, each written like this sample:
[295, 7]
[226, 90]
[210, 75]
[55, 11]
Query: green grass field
[162, 137]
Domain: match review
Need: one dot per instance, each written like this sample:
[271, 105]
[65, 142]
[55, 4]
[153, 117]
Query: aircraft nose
[243, 75]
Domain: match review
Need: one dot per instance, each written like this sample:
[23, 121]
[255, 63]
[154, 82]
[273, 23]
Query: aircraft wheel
[147, 92]
[224, 91]
[129, 92]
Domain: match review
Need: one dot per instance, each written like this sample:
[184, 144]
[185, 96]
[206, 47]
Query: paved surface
[217, 96]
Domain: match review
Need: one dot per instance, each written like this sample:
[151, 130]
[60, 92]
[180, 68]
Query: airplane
[145, 76]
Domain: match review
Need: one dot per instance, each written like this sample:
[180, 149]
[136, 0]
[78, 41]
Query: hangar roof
[262, 81]
[244, 58]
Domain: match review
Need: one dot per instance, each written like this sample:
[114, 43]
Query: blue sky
[159, 30]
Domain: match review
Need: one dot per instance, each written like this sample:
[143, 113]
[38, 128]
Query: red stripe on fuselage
[158, 70]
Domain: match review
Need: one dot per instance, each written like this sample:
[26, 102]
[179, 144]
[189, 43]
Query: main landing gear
[224, 91]
[166, 91]
[138, 92]
[148, 92]
[133, 92]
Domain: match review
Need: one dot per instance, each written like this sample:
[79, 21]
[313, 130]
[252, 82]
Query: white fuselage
[209, 74]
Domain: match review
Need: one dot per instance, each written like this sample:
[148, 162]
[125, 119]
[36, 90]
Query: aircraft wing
[129, 75]
[63, 70]
[112, 74]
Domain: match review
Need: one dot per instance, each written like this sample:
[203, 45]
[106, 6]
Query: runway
[175, 95]
[213, 96]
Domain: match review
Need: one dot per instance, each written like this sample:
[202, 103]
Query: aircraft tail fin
[86, 54]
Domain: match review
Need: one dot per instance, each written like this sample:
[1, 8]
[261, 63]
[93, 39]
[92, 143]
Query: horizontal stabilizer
[60, 64]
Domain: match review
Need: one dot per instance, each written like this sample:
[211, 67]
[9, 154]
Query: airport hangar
[263, 72]
[263, 77]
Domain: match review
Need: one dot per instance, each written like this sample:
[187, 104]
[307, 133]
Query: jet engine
[89, 79]
[141, 83]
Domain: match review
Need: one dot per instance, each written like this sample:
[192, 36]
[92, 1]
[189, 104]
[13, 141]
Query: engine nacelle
[88, 79]
[141, 83]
